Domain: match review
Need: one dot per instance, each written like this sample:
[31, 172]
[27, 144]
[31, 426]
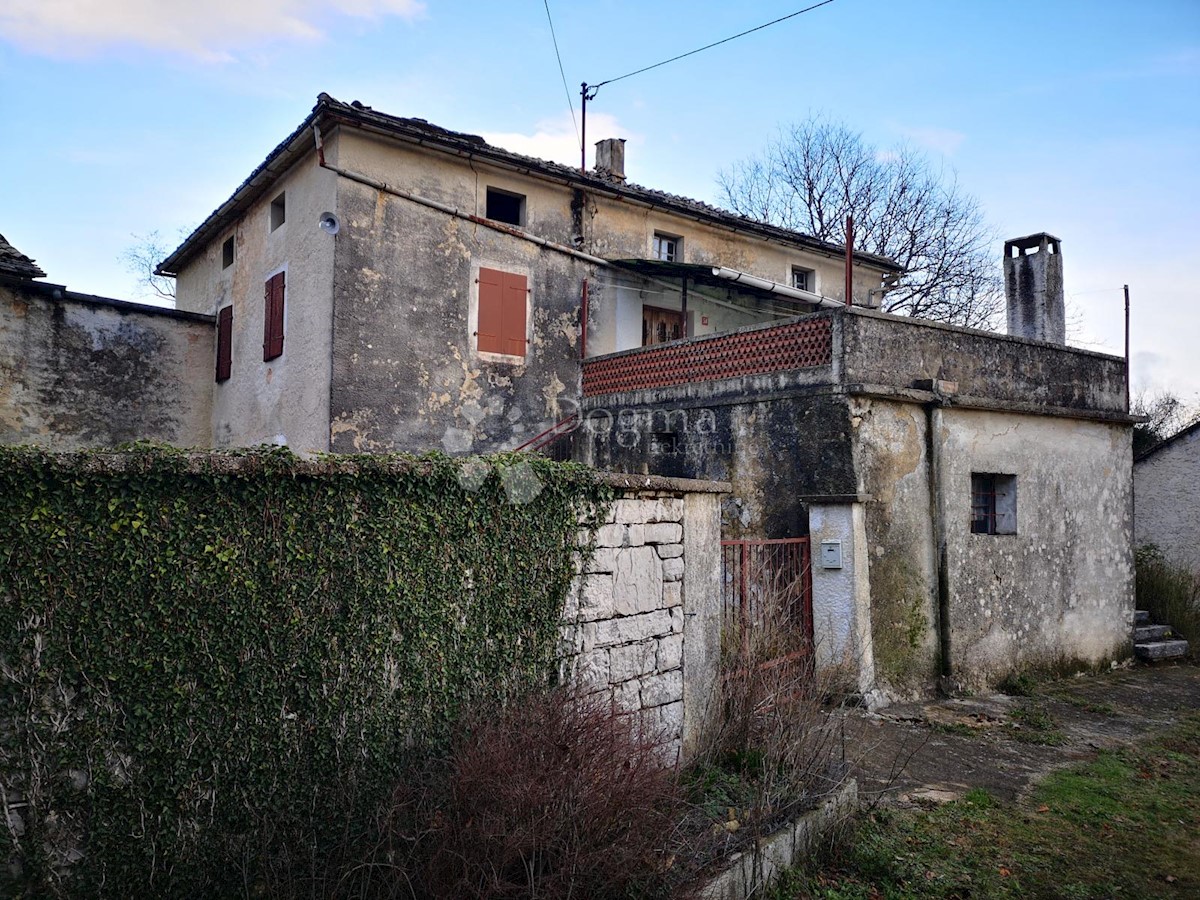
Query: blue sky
[121, 117]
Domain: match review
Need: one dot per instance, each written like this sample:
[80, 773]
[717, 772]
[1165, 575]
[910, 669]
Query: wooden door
[660, 325]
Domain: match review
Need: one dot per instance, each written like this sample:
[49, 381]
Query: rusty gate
[768, 581]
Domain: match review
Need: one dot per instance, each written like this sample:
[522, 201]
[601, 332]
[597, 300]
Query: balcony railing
[800, 344]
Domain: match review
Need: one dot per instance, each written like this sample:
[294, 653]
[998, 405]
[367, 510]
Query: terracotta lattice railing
[795, 345]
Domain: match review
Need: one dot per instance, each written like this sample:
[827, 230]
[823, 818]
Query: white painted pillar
[842, 596]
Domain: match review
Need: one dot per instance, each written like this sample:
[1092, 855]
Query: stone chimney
[610, 158]
[1033, 288]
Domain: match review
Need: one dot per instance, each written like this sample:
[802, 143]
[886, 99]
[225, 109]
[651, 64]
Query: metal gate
[768, 582]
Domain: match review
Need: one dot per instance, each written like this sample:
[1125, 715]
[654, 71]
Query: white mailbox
[831, 554]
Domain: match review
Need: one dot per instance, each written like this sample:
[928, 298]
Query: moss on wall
[900, 625]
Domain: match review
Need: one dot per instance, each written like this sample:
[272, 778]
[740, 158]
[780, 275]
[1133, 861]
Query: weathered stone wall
[774, 452]
[1060, 591]
[406, 370]
[1056, 594]
[649, 590]
[893, 472]
[78, 371]
[1167, 499]
[899, 352]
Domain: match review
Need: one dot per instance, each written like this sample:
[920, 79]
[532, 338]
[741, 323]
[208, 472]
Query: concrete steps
[1152, 643]
[1147, 633]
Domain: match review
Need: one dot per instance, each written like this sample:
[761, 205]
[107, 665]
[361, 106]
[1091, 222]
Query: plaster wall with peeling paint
[1059, 592]
[406, 371]
[1055, 595]
[78, 371]
[284, 400]
[380, 344]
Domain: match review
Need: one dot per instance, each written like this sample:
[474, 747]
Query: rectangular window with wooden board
[502, 323]
[273, 318]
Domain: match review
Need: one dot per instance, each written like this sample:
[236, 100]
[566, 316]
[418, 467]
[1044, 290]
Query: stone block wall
[624, 622]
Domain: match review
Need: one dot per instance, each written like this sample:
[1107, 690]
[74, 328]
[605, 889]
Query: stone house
[384, 284]
[967, 495]
[1166, 483]
[455, 287]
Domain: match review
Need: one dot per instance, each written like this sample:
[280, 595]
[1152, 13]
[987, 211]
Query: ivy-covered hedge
[215, 665]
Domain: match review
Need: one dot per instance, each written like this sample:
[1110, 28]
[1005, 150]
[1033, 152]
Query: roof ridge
[356, 112]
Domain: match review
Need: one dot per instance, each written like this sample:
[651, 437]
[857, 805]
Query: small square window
[804, 279]
[227, 253]
[993, 503]
[667, 247]
[278, 211]
[503, 206]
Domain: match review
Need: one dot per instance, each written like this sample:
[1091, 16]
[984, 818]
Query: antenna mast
[586, 93]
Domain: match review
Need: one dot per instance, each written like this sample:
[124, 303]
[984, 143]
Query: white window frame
[659, 238]
[811, 278]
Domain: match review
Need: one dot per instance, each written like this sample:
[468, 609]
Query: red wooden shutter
[512, 315]
[224, 343]
[273, 318]
[491, 293]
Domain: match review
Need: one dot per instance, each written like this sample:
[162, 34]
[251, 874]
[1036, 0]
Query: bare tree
[1167, 415]
[142, 258]
[818, 172]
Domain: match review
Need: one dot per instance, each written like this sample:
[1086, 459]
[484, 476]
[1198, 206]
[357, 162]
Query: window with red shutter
[273, 318]
[224, 343]
[503, 299]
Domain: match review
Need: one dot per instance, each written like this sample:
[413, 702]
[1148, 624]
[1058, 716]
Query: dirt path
[1003, 744]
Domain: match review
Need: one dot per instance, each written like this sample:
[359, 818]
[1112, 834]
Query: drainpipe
[933, 456]
[583, 322]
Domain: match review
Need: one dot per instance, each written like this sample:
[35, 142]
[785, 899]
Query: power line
[706, 46]
[566, 90]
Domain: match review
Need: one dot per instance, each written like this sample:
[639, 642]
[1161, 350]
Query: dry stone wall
[624, 621]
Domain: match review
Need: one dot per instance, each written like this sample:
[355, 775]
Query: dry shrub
[778, 743]
[557, 795]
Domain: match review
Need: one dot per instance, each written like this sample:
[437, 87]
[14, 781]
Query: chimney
[1033, 288]
[610, 158]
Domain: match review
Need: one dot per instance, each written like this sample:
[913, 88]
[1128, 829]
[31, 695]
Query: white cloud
[557, 140]
[940, 140]
[209, 30]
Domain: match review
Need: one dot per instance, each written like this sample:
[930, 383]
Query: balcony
[794, 344]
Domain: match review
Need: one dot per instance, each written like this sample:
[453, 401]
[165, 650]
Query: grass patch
[955, 728]
[1031, 723]
[1092, 706]
[1124, 825]
[1018, 685]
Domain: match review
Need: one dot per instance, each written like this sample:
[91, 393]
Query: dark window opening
[224, 343]
[505, 207]
[993, 503]
[802, 279]
[278, 211]
[227, 253]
